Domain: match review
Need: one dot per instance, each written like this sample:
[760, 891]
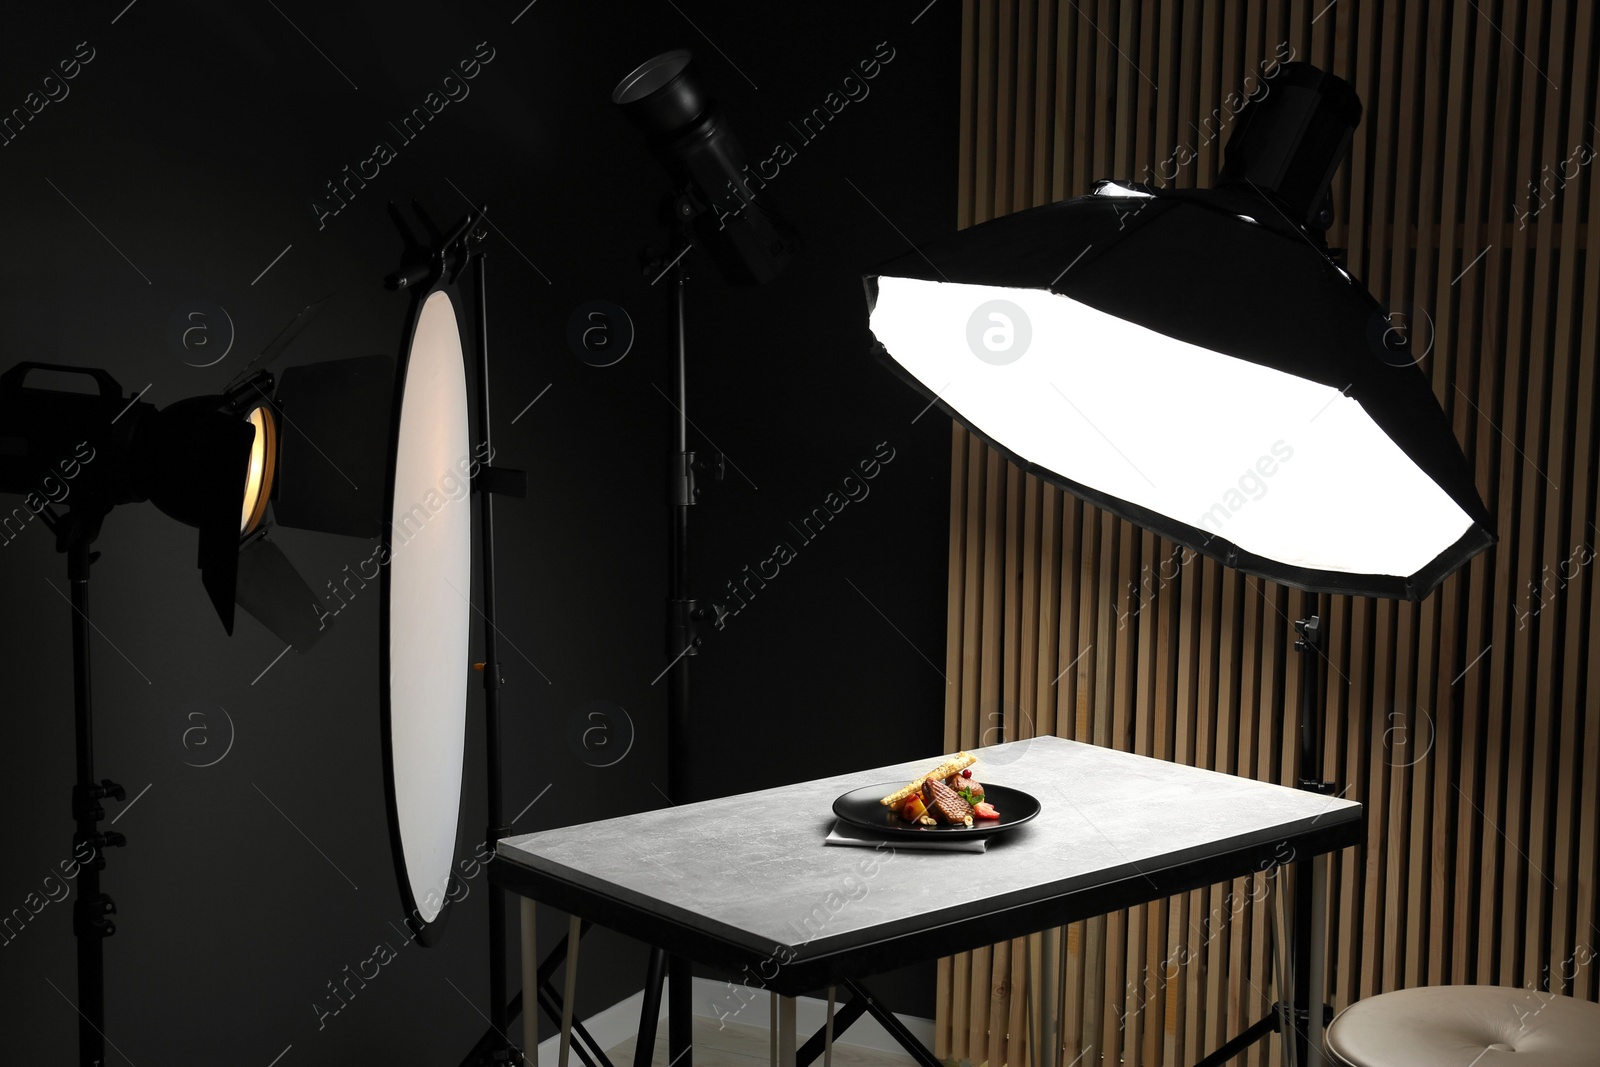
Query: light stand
[488, 485]
[715, 206]
[682, 614]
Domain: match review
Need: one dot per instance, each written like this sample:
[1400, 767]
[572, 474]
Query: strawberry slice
[985, 810]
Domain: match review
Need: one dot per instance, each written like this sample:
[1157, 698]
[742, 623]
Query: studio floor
[734, 1044]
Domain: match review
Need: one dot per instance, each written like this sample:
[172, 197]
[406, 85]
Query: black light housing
[736, 221]
[190, 459]
[1290, 141]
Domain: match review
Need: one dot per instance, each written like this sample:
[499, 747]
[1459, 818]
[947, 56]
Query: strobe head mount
[1290, 139]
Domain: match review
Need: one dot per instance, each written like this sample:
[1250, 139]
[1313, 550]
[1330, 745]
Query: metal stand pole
[1309, 647]
[91, 975]
[89, 911]
[682, 609]
[504, 1050]
[1299, 1011]
[681, 644]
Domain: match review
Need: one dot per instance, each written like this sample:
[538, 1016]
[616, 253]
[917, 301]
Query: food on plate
[954, 765]
[947, 795]
[950, 806]
[969, 787]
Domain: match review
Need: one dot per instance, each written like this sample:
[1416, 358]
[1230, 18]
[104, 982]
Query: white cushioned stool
[1457, 1025]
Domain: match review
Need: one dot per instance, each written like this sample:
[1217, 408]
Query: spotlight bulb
[263, 460]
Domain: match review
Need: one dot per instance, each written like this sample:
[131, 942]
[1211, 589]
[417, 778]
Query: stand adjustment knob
[1310, 631]
[86, 798]
[89, 849]
[89, 916]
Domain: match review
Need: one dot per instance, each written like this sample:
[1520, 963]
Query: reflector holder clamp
[501, 481]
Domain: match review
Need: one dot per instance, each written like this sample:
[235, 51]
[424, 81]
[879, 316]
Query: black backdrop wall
[187, 161]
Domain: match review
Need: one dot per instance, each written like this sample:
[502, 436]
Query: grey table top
[751, 871]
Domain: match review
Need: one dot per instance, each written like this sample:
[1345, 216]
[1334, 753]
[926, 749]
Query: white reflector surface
[429, 615]
[1283, 467]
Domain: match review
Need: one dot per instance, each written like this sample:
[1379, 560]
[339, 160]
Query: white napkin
[841, 834]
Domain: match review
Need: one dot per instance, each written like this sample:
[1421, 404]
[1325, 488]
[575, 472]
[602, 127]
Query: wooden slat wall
[1469, 724]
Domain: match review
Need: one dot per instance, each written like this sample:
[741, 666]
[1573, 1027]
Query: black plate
[861, 807]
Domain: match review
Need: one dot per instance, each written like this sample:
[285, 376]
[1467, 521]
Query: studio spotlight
[733, 216]
[190, 459]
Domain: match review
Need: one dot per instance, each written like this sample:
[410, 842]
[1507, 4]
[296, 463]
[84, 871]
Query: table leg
[784, 1043]
[530, 981]
[569, 992]
[650, 1012]
[827, 1041]
[896, 1029]
[680, 1012]
[1319, 955]
[843, 1019]
[772, 1029]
